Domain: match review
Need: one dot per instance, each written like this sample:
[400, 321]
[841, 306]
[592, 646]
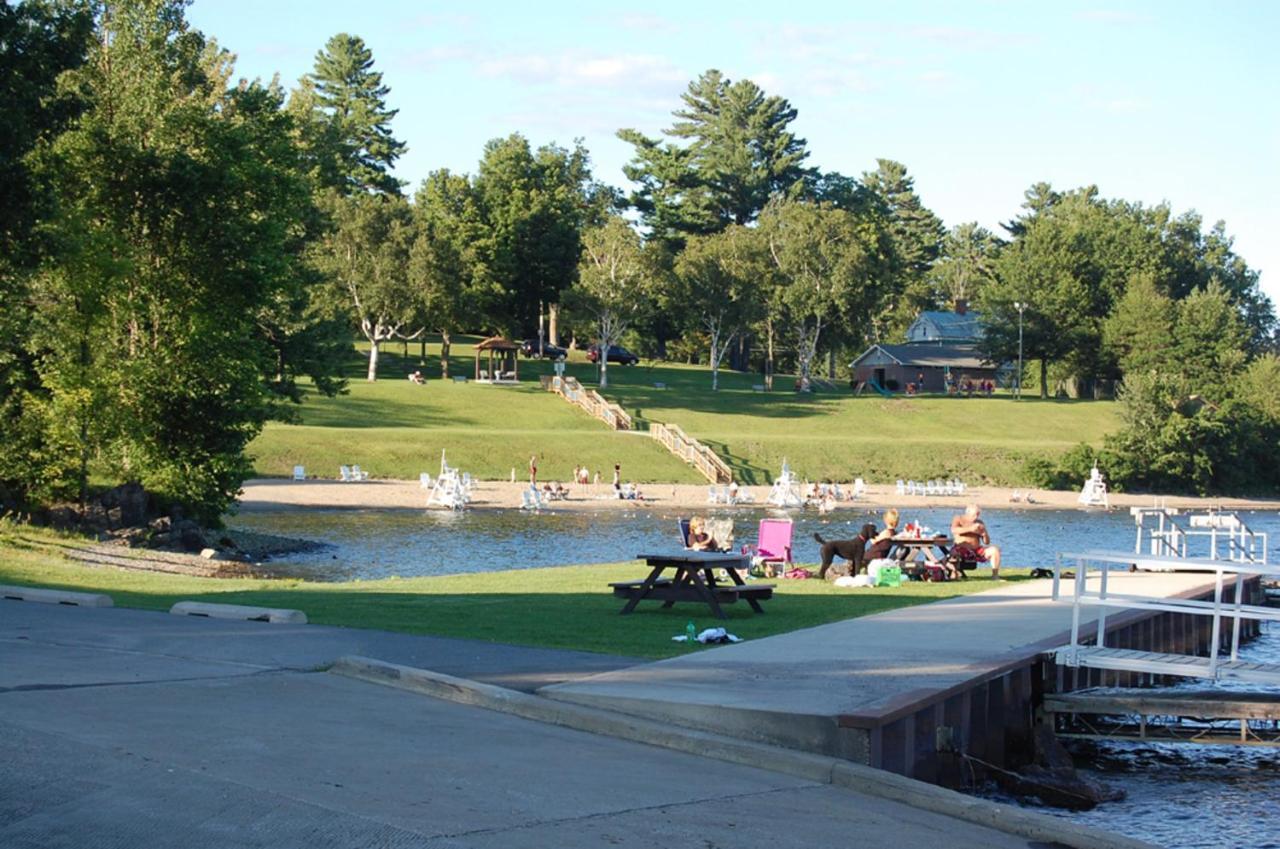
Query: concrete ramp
[889, 690]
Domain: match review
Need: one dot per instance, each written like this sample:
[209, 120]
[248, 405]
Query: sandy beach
[268, 493]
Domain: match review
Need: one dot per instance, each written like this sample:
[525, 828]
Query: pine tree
[733, 152]
[348, 95]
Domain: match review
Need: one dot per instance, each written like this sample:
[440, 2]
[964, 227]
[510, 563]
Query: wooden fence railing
[588, 399]
[670, 436]
[692, 451]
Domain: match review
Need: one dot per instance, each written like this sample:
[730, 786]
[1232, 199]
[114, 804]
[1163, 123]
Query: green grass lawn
[566, 607]
[396, 429]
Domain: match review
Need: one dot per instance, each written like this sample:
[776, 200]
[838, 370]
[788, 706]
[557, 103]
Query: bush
[1069, 471]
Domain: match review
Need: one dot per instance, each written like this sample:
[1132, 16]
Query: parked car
[529, 348]
[617, 354]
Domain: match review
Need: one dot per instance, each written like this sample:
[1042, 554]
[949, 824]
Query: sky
[1154, 102]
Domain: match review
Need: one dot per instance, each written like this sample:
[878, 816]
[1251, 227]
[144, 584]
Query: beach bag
[874, 567]
[889, 576]
[929, 572]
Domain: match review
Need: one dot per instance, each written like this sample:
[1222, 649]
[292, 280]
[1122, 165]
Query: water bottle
[690, 633]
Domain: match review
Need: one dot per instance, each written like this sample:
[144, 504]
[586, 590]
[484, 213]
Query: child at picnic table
[699, 539]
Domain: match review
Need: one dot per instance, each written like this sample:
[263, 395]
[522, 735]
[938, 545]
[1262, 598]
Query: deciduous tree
[615, 284]
[448, 268]
[366, 256]
[717, 283]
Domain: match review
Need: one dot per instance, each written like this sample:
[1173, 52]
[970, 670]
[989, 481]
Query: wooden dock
[1171, 716]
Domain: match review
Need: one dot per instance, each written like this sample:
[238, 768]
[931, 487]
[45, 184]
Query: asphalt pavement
[136, 729]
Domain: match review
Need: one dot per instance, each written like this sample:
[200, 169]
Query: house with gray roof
[958, 327]
[940, 352]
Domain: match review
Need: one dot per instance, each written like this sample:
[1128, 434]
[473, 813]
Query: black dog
[854, 550]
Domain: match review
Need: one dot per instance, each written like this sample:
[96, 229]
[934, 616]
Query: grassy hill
[396, 429]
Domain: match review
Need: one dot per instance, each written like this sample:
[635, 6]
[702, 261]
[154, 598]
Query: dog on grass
[853, 550]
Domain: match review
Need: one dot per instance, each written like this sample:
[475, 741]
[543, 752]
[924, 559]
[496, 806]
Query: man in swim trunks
[972, 539]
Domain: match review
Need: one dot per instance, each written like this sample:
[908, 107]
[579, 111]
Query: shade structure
[504, 366]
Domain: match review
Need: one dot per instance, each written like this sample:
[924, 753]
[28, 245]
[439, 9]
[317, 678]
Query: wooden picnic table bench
[694, 579]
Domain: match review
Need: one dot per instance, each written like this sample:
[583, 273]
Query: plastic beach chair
[299, 473]
[773, 542]
[345, 472]
[424, 480]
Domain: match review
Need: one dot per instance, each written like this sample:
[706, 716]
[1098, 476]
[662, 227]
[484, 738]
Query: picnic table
[693, 579]
[904, 547]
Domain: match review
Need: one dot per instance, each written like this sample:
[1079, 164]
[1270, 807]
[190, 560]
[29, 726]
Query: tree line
[181, 251]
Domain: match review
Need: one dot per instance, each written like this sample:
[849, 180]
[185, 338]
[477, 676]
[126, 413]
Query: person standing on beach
[617, 475]
[533, 470]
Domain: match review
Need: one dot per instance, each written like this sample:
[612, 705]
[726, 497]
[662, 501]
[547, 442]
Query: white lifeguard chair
[1094, 492]
[451, 489]
[784, 492]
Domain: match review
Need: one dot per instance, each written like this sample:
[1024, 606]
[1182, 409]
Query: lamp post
[1019, 306]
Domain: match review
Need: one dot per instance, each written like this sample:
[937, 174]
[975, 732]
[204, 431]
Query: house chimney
[962, 306]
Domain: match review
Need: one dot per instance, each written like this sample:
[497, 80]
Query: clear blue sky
[1155, 101]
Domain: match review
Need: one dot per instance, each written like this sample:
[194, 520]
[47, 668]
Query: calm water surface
[1179, 795]
[382, 543]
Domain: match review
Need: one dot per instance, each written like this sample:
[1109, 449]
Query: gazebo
[504, 366]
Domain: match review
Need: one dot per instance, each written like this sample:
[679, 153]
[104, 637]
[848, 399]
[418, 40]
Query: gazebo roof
[497, 343]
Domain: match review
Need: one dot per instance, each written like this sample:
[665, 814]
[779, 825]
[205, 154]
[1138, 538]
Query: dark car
[617, 354]
[529, 348]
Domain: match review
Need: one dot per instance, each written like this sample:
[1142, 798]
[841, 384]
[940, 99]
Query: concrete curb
[56, 597]
[817, 768]
[239, 611]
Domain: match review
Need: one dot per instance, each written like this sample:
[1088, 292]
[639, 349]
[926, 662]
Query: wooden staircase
[670, 436]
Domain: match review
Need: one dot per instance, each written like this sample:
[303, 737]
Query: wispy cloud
[654, 24]
[440, 20]
[1125, 105]
[966, 38]
[1112, 16]
[635, 71]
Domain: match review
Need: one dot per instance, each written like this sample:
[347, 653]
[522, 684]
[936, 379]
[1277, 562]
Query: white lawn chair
[744, 496]
[358, 475]
[345, 472]
[712, 495]
[299, 473]
[530, 499]
[902, 488]
[424, 480]
[859, 489]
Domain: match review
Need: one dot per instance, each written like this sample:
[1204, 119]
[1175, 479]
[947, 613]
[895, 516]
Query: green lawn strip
[569, 607]
[396, 428]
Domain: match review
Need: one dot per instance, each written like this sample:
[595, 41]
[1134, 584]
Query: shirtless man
[970, 533]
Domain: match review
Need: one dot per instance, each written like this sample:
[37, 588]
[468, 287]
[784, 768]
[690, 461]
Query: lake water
[384, 543]
[1188, 795]
[1178, 795]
